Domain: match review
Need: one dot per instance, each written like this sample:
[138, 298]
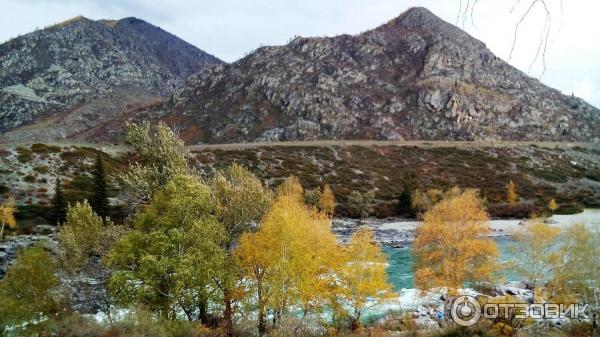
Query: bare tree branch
[545, 38]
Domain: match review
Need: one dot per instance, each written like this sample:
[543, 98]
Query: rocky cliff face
[61, 70]
[415, 77]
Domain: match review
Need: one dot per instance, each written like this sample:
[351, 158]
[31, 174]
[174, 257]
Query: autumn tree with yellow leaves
[552, 206]
[293, 260]
[511, 193]
[7, 216]
[291, 187]
[327, 201]
[362, 275]
[451, 246]
[424, 201]
[290, 260]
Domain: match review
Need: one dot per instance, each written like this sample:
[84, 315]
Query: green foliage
[99, 200]
[45, 148]
[240, 200]
[83, 235]
[163, 157]
[24, 155]
[576, 277]
[174, 254]
[312, 196]
[32, 212]
[360, 203]
[136, 323]
[405, 198]
[41, 169]
[84, 239]
[26, 296]
[58, 213]
[29, 178]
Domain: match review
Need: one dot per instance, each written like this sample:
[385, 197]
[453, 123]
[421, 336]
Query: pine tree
[99, 200]
[58, 213]
[406, 197]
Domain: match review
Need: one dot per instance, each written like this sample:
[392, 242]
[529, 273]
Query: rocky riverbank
[11, 246]
[399, 232]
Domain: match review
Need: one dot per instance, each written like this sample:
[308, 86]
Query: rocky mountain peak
[417, 17]
[77, 61]
[415, 77]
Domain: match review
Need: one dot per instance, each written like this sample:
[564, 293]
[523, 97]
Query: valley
[350, 185]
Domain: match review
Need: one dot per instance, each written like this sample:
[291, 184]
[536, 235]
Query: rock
[11, 245]
[44, 229]
[127, 63]
[415, 77]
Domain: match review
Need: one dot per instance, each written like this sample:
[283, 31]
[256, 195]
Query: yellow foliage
[291, 187]
[292, 258]
[552, 206]
[424, 201]
[7, 215]
[450, 245]
[327, 201]
[511, 193]
[363, 274]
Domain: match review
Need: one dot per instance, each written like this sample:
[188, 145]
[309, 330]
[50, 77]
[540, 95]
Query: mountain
[73, 76]
[415, 77]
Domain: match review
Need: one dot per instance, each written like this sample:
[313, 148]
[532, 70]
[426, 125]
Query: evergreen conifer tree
[58, 213]
[99, 200]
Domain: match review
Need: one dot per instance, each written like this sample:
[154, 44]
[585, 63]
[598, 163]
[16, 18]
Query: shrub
[29, 178]
[43, 148]
[24, 155]
[41, 169]
[567, 209]
[520, 210]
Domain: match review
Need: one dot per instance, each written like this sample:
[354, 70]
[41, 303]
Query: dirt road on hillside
[326, 143]
[114, 149]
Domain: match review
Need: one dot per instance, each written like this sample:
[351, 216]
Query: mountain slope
[415, 77]
[66, 67]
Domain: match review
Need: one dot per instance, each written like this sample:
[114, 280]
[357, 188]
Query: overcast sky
[229, 29]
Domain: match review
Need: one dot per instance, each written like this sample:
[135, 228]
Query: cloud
[230, 28]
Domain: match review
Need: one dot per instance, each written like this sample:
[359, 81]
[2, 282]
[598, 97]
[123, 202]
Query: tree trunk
[203, 311]
[2, 231]
[228, 313]
[262, 324]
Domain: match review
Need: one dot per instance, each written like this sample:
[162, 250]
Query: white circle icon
[465, 310]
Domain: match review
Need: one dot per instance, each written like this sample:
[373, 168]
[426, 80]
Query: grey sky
[229, 29]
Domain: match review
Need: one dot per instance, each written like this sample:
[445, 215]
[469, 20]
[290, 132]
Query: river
[400, 258]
